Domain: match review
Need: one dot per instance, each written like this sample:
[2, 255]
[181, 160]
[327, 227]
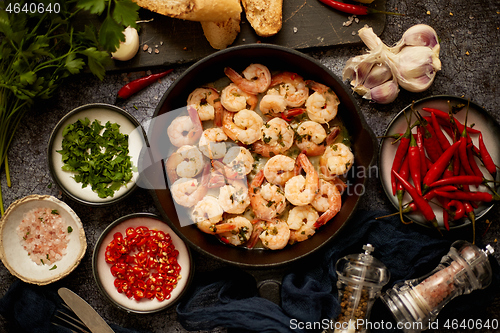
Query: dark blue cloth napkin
[228, 297]
[30, 309]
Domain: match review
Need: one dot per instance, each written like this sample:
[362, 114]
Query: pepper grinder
[416, 303]
[360, 280]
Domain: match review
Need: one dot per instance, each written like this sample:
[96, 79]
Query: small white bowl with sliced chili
[140, 264]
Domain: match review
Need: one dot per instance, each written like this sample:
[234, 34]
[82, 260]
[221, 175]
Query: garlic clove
[417, 35]
[384, 93]
[357, 69]
[379, 74]
[417, 67]
[127, 49]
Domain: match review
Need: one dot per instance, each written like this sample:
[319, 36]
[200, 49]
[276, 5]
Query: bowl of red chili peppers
[141, 265]
[438, 162]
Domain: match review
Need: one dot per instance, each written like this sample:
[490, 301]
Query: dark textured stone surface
[470, 45]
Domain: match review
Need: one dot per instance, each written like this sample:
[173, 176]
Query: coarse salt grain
[44, 235]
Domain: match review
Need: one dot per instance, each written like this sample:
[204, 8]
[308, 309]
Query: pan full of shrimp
[260, 147]
[259, 159]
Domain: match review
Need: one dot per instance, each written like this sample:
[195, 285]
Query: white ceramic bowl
[16, 258]
[105, 280]
[103, 112]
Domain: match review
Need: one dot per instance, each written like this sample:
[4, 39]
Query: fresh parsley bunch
[39, 48]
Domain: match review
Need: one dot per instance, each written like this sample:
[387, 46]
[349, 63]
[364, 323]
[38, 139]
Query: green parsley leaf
[53, 267]
[125, 12]
[70, 229]
[54, 212]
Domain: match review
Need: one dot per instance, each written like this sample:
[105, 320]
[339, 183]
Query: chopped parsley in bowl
[93, 154]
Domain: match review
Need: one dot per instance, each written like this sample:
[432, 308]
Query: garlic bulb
[412, 64]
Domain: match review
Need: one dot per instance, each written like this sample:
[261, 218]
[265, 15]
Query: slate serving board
[306, 24]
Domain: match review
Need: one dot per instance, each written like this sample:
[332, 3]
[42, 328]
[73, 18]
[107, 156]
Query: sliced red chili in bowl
[144, 263]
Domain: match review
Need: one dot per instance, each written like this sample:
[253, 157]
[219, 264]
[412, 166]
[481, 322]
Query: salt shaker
[416, 303]
[360, 280]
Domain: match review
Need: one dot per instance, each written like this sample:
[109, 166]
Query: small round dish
[102, 270]
[476, 115]
[16, 258]
[104, 113]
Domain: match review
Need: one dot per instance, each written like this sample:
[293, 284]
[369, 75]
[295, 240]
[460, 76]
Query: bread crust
[221, 34]
[265, 16]
[194, 10]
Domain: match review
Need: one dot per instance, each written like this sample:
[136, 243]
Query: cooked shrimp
[207, 214]
[310, 138]
[301, 221]
[187, 191]
[192, 162]
[212, 143]
[244, 126]
[241, 233]
[322, 105]
[234, 198]
[205, 101]
[234, 99]
[256, 78]
[300, 190]
[279, 169]
[328, 201]
[275, 234]
[268, 201]
[236, 164]
[292, 87]
[185, 130]
[272, 103]
[336, 160]
[277, 138]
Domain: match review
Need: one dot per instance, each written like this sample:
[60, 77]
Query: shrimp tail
[257, 230]
[197, 130]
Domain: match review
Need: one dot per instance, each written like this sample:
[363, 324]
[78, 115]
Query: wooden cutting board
[306, 24]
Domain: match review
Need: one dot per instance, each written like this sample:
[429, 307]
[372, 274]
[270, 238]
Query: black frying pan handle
[269, 283]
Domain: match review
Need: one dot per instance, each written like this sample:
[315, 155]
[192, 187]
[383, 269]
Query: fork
[69, 321]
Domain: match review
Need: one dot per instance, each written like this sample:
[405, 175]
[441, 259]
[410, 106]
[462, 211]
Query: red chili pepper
[421, 150]
[422, 204]
[486, 157]
[440, 165]
[354, 9]
[414, 163]
[468, 196]
[401, 153]
[459, 209]
[473, 164]
[444, 115]
[443, 141]
[136, 85]
[458, 180]
[404, 172]
[428, 197]
[431, 144]
[464, 159]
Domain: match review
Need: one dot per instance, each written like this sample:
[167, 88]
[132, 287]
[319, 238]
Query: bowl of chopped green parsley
[93, 154]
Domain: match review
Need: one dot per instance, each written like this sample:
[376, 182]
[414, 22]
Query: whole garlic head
[412, 64]
[127, 49]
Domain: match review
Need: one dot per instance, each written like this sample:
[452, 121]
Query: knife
[85, 312]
